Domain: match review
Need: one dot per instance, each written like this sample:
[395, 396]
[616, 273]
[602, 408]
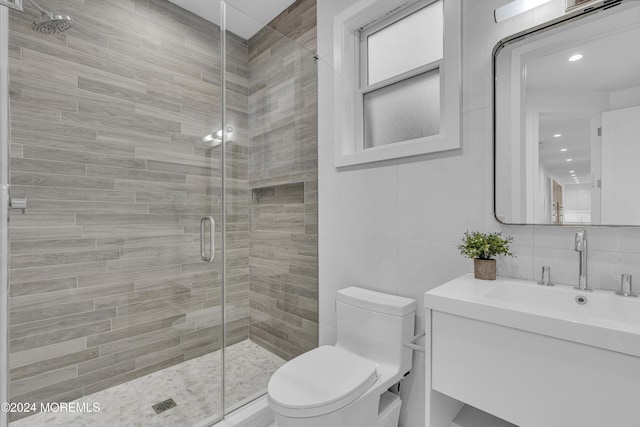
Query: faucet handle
[626, 286]
[546, 276]
[580, 240]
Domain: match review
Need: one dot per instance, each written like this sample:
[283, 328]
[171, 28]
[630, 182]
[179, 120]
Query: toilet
[347, 384]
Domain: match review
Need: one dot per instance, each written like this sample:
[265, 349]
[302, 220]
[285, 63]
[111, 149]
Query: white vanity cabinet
[532, 355]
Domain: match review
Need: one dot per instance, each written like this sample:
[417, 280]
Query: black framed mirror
[567, 120]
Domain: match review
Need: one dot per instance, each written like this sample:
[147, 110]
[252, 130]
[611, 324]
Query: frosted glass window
[406, 44]
[403, 111]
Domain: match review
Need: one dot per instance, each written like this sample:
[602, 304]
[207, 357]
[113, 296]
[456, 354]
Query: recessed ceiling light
[576, 57]
[569, 160]
[563, 149]
[557, 135]
[571, 171]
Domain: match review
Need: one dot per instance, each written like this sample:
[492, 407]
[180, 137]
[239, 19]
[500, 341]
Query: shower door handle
[212, 239]
[19, 203]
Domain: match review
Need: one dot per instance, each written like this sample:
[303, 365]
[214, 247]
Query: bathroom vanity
[532, 355]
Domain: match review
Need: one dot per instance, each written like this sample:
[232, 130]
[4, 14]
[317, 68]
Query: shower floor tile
[194, 386]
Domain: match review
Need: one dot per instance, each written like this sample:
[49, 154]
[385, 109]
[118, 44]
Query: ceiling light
[563, 149]
[569, 160]
[571, 171]
[557, 135]
[576, 57]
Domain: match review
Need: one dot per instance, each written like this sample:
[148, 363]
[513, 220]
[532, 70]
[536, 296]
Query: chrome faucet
[581, 246]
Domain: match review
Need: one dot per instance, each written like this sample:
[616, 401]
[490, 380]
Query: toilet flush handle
[411, 343]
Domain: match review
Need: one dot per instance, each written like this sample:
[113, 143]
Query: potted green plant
[482, 247]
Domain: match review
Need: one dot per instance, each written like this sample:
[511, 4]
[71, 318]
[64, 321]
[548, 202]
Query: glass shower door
[271, 286]
[115, 272]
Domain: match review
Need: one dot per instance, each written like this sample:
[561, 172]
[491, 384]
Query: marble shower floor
[194, 385]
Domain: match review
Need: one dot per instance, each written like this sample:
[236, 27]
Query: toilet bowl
[346, 385]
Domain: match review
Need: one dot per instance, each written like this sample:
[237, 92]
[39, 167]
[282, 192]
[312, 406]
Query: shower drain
[165, 405]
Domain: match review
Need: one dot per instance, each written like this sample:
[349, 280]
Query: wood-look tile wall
[106, 282]
[283, 175]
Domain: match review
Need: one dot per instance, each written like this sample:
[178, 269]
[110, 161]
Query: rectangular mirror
[567, 120]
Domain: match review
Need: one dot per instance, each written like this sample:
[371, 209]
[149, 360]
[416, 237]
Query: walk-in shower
[163, 268]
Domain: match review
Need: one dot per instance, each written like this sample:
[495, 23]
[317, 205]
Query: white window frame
[349, 93]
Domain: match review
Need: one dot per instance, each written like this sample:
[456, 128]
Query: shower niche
[278, 208]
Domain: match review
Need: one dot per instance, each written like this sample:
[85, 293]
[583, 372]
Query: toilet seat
[320, 381]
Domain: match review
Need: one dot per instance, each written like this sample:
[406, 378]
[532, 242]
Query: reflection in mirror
[567, 121]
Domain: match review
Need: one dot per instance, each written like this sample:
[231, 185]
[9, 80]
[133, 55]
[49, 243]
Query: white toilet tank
[374, 325]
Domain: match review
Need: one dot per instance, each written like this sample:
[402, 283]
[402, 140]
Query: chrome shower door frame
[4, 211]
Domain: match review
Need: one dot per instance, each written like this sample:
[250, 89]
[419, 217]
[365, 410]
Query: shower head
[50, 23]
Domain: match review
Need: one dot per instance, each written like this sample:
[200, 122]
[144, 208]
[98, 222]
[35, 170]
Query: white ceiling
[594, 72]
[244, 17]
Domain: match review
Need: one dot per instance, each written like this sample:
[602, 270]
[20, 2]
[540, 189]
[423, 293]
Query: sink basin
[601, 319]
[597, 307]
